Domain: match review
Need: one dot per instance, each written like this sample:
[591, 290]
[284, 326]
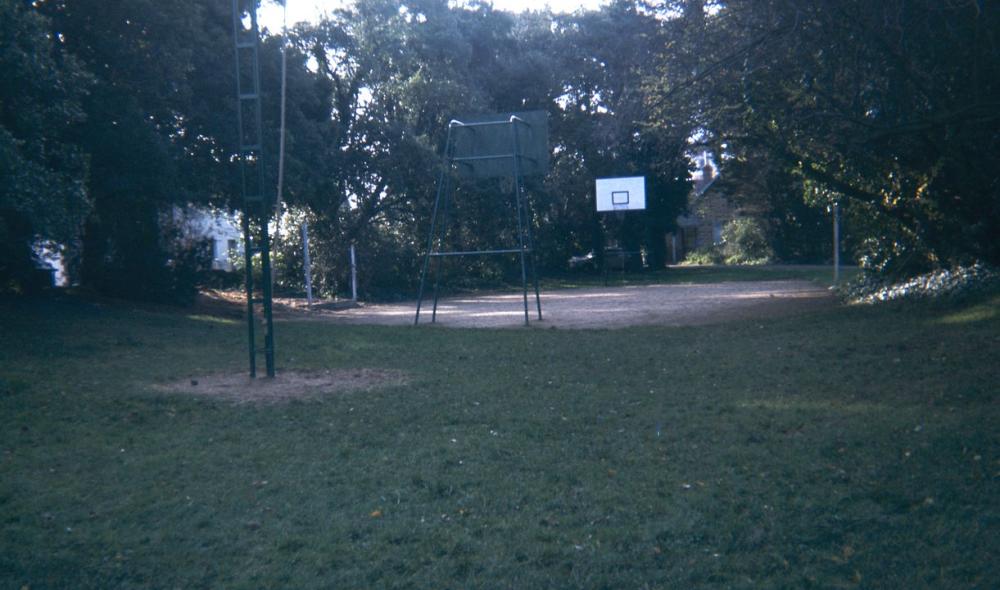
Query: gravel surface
[606, 307]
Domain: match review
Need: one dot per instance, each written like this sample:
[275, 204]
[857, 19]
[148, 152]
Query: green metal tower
[257, 205]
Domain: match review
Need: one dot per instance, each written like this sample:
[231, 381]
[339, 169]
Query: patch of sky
[271, 12]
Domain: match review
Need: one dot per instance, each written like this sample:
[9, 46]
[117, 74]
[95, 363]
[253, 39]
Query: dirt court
[601, 307]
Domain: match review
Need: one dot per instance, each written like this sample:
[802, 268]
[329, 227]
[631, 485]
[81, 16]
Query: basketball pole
[836, 242]
[307, 263]
[354, 276]
[617, 196]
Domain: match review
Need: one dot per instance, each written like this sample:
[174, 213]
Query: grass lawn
[853, 448]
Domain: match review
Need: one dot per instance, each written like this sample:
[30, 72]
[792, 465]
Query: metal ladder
[525, 248]
[256, 205]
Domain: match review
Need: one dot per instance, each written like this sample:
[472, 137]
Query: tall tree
[602, 127]
[888, 107]
[399, 72]
[160, 131]
[42, 195]
[141, 53]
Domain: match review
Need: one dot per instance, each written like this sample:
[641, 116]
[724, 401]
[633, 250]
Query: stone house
[708, 211]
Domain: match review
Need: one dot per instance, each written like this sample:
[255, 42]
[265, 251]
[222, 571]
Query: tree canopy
[42, 170]
[889, 108]
[115, 111]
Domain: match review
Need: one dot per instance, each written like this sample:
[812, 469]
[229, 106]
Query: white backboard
[621, 194]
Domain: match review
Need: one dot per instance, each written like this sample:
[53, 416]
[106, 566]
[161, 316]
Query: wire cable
[281, 132]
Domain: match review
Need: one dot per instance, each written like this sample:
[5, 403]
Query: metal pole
[256, 211]
[307, 263]
[439, 261]
[248, 261]
[354, 277]
[836, 243]
[430, 237]
[520, 212]
[527, 219]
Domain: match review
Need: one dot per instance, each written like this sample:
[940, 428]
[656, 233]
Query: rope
[281, 133]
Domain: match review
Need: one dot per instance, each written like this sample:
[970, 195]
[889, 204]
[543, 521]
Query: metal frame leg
[248, 280]
[443, 229]
[445, 169]
[524, 227]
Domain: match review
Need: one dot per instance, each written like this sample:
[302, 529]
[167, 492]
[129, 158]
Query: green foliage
[891, 105]
[371, 91]
[798, 227]
[962, 283]
[744, 241]
[160, 128]
[426, 63]
[287, 257]
[707, 255]
[601, 130]
[143, 55]
[42, 191]
[886, 107]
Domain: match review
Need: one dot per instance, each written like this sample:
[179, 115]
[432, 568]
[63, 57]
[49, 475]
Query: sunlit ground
[606, 306]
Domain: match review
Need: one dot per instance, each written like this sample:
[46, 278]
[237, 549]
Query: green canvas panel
[471, 139]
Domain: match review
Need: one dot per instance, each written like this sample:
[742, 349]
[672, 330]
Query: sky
[310, 10]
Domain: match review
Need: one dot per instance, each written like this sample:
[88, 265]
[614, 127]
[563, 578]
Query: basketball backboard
[485, 143]
[621, 194]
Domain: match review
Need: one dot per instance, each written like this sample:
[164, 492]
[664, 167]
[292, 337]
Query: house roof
[703, 179]
[701, 208]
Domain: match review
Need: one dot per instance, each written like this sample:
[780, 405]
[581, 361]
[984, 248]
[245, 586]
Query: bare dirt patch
[584, 308]
[232, 304]
[604, 307]
[285, 386]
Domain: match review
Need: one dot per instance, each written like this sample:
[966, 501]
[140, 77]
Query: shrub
[709, 255]
[940, 284]
[744, 241]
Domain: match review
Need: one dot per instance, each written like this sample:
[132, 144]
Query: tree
[601, 129]
[400, 72]
[371, 93]
[888, 108]
[142, 55]
[42, 195]
[160, 132]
